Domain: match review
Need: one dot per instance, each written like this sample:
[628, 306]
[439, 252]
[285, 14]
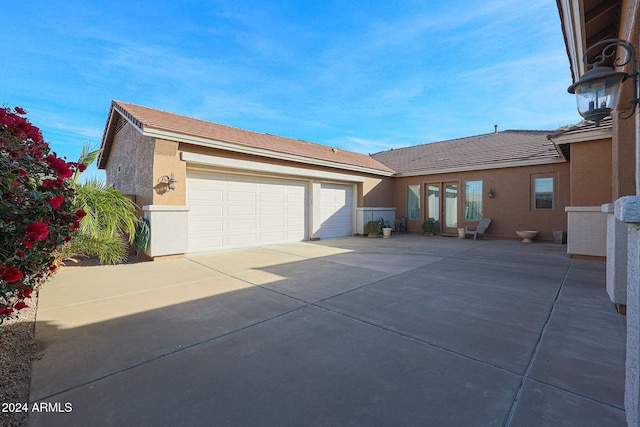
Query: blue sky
[364, 76]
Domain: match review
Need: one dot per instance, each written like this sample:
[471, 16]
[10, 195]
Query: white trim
[582, 136]
[277, 170]
[222, 145]
[583, 209]
[501, 165]
[574, 28]
[125, 115]
[164, 208]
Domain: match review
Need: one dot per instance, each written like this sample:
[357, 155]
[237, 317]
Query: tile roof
[583, 131]
[145, 118]
[487, 151]
[583, 126]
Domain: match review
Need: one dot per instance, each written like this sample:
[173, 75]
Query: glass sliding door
[433, 203]
[450, 213]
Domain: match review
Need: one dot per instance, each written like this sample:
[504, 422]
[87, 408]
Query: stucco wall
[512, 207]
[587, 231]
[623, 157]
[130, 164]
[591, 173]
[166, 162]
[624, 131]
[378, 191]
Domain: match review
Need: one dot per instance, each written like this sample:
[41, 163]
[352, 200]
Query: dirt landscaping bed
[17, 352]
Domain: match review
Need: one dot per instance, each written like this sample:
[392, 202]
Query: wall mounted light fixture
[491, 194]
[170, 181]
[597, 90]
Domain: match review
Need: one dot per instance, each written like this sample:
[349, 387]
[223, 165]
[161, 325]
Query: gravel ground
[17, 351]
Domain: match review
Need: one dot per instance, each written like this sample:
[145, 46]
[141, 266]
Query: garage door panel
[241, 210]
[295, 197]
[241, 240]
[208, 197]
[272, 197]
[247, 210]
[294, 210]
[336, 211]
[240, 225]
[241, 196]
[267, 236]
[277, 223]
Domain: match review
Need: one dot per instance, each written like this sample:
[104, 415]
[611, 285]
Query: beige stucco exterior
[378, 191]
[130, 166]
[591, 173]
[512, 207]
[591, 187]
[623, 157]
[166, 161]
[140, 166]
[157, 159]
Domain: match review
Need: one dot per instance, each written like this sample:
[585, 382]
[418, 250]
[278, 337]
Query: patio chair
[481, 229]
[402, 224]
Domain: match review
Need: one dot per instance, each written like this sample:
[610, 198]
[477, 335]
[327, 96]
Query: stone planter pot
[461, 233]
[386, 232]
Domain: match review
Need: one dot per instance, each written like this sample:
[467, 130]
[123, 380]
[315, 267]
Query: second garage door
[232, 211]
[336, 211]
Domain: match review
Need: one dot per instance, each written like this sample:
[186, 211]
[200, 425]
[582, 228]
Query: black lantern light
[597, 90]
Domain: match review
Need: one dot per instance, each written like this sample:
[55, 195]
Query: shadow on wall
[381, 193]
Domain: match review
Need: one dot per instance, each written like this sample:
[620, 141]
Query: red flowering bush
[36, 212]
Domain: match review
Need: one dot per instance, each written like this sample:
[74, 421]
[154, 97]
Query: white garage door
[336, 211]
[232, 211]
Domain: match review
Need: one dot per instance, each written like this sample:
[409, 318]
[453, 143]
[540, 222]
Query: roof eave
[243, 149]
[571, 13]
[107, 140]
[496, 165]
[109, 131]
[154, 132]
[582, 136]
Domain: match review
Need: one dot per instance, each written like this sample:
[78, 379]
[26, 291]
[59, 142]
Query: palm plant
[110, 222]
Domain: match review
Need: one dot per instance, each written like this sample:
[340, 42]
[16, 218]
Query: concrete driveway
[403, 331]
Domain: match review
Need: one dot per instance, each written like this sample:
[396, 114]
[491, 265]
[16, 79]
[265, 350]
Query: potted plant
[428, 226]
[386, 228]
[373, 228]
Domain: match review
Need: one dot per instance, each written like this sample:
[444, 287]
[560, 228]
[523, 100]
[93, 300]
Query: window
[413, 201]
[473, 200]
[433, 202]
[543, 193]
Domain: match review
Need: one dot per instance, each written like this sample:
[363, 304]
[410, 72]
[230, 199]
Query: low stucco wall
[616, 256]
[364, 215]
[169, 229]
[587, 231]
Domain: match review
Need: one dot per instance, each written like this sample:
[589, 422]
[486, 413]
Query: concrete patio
[403, 331]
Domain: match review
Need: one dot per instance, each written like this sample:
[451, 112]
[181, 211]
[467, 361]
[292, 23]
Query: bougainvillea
[36, 213]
